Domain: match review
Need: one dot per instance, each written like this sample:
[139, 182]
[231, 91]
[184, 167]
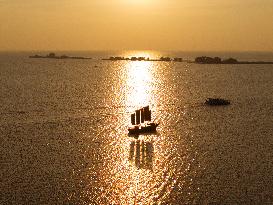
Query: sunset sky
[203, 25]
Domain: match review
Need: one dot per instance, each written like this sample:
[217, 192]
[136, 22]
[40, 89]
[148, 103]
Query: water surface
[64, 139]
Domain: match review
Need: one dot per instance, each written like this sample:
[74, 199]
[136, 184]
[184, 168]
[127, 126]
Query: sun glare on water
[139, 82]
[140, 75]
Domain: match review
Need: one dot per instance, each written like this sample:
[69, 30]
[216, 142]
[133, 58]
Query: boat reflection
[142, 153]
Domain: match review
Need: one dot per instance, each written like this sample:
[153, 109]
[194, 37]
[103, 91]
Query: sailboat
[141, 122]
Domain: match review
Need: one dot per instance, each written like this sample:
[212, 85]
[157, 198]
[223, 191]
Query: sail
[142, 115]
[137, 116]
[149, 116]
[133, 119]
[147, 113]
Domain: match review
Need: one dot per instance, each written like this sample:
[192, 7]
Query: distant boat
[217, 101]
[141, 122]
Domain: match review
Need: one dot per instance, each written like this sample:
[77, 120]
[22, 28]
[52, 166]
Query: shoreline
[53, 56]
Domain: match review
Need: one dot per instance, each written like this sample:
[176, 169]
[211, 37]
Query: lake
[64, 137]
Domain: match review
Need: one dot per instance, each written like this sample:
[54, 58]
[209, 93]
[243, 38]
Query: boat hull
[143, 129]
[217, 102]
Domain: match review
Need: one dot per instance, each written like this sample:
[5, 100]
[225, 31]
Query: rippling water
[64, 139]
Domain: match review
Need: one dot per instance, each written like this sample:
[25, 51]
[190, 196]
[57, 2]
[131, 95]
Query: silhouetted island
[217, 60]
[165, 59]
[53, 56]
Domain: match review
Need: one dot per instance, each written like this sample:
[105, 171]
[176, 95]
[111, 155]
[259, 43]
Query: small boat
[217, 101]
[141, 122]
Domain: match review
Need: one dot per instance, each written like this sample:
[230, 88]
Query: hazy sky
[217, 25]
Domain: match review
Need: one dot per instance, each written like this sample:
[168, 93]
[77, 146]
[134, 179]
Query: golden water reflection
[140, 170]
[139, 82]
[132, 164]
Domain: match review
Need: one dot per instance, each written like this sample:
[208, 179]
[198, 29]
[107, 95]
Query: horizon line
[118, 50]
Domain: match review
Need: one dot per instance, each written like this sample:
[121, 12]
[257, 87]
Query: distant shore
[53, 56]
[167, 59]
[218, 60]
[198, 60]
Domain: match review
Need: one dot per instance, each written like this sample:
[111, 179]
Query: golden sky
[186, 25]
